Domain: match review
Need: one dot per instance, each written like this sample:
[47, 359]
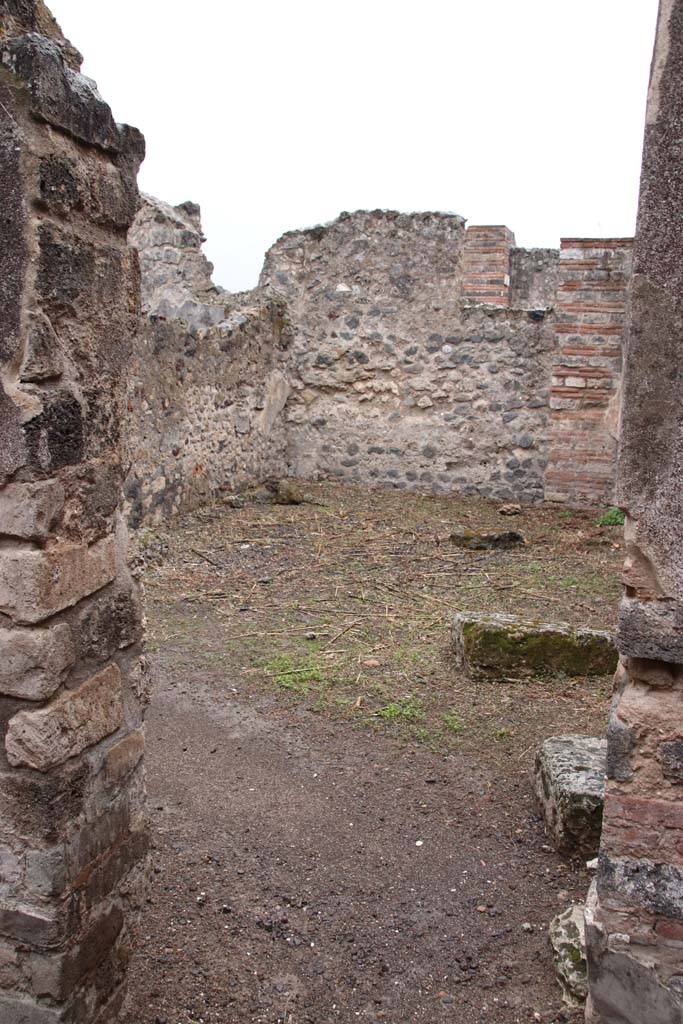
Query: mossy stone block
[504, 647]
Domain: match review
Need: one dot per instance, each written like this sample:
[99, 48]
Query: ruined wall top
[176, 275]
[22, 16]
[379, 255]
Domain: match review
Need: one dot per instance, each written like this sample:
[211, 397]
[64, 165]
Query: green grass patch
[404, 709]
[295, 676]
[612, 517]
[453, 723]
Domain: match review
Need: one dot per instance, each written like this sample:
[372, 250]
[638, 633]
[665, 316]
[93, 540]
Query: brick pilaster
[590, 312]
[486, 265]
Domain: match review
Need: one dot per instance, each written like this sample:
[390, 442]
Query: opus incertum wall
[635, 914]
[385, 349]
[73, 840]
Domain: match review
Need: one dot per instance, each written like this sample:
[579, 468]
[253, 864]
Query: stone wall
[386, 349]
[635, 916]
[206, 391]
[590, 313]
[73, 839]
[397, 378]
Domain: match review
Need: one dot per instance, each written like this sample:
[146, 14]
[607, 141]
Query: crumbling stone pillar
[72, 834]
[635, 915]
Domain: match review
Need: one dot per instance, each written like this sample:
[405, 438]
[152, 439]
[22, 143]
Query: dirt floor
[343, 824]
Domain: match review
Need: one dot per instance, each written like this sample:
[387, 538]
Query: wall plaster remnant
[72, 681]
[634, 916]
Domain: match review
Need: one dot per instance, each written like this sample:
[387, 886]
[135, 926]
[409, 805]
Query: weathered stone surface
[59, 95]
[36, 584]
[651, 629]
[124, 756]
[29, 511]
[474, 540]
[42, 356]
[490, 646]
[42, 809]
[109, 622]
[568, 939]
[57, 975]
[641, 882]
[34, 662]
[71, 723]
[13, 253]
[22, 1010]
[32, 925]
[569, 780]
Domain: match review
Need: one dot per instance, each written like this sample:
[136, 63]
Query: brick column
[486, 265]
[590, 312]
[635, 915]
[72, 834]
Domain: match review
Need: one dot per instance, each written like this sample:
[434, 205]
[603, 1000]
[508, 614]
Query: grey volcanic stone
[569, 780]
[567, 935]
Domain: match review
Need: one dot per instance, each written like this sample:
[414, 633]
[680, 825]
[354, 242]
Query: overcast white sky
[278, 114]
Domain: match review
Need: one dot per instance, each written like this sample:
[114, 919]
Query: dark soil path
[343, 825]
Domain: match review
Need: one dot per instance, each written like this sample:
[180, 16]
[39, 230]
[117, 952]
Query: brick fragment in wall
[73, 721]
[35, 662]
[29, 511]
[36, 584]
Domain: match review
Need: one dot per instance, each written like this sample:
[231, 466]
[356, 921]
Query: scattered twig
[207, 558]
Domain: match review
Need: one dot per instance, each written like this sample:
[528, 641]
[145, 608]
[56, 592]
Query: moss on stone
[500, 645]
